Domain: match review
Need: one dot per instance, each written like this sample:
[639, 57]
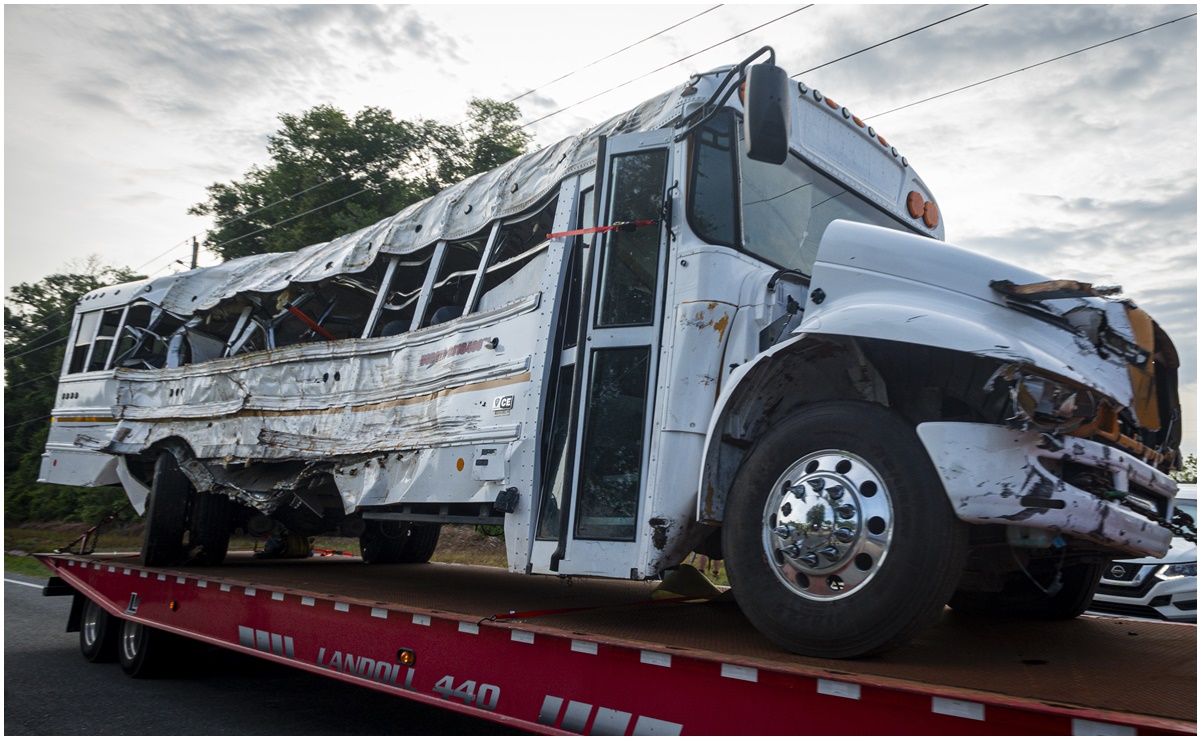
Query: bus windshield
[785, 208]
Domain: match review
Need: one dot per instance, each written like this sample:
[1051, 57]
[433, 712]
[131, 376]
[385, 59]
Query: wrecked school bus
[723, 322]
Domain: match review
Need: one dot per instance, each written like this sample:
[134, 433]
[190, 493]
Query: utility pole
[195, 253]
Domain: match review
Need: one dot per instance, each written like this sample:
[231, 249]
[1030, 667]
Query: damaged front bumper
[995, 475]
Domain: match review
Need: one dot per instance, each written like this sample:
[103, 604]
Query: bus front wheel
[166, 513]
[839, 539]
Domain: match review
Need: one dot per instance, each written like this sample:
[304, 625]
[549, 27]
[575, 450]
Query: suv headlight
[1178, 570]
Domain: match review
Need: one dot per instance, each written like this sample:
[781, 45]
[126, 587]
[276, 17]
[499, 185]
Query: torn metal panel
[998, 476]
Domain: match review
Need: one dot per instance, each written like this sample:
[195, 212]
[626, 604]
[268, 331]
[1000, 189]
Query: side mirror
[767, 108]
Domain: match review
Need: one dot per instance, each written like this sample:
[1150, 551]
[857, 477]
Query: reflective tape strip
[307, 601]
[251, 591]
[520, 636]
[957, 708]
[576, 716]
[181, 580]
[610, 722]
[1091, 727]
[652, 726]
[470, 628]
[340, 606]
[226, 587]
[583, 646]
[277, 596]
[421, 620]
[742, 673]
[652, 658]
[143, 574]
[202, 584]
[379, 613]
[111, 569]
[550, 710]
[245, 636]
[127, 571]
[838, 688]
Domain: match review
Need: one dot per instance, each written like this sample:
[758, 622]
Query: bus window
[84, 335]
[452, 286]
[630, 271]
[610, 479]
[518, 261]
[576, 262]
[110, 322]
[785, 208]
[404, 292]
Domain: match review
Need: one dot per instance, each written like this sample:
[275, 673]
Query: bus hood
[879, 283]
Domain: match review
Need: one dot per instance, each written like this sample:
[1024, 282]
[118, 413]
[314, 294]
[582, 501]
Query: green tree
[331, 174]
[37, 318]
[1188, 471]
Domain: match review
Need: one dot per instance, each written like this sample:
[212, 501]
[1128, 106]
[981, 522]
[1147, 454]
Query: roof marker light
[830, 102]
[801, 86]
[871, 132]
[817, 96]
[859, 123]
[845, 113]
[883, 143]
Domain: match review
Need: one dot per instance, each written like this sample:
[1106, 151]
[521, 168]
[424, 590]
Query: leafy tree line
[328, 174]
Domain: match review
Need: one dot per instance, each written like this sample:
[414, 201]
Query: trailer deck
[619, 665]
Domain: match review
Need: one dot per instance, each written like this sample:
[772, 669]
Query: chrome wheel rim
[828, 523]
[91, 623]
[130, 634]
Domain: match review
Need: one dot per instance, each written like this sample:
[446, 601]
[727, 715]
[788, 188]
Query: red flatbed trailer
[601, 660]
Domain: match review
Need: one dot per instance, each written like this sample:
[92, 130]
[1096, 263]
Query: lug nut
[846, 511]
[792, 551]
[835, 492]
[844, 535]
[830, 553]
[810, 560]
[785, 531]
[817, 484]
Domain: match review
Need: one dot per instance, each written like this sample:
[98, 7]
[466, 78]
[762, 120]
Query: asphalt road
[49, 689]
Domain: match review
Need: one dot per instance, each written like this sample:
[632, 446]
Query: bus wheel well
[921, 383]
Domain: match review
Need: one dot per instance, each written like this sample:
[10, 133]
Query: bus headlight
[1046, 404]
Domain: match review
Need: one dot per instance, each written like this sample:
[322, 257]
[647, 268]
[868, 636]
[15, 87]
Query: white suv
[1155, 588]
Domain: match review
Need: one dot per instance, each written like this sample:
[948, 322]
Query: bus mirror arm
[723, 93]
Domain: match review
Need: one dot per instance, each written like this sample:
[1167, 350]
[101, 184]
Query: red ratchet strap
[309, 322]
[545, 612]
[622, 225]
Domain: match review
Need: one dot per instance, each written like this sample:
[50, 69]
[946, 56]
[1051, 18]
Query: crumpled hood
[881, 283]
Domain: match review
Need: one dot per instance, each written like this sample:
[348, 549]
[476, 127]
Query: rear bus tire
[383, 541]
[210, 527]
[838, 536]
[422, 541]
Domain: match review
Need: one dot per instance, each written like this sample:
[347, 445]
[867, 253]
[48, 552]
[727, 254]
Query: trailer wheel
[422, 541]
[98, 631]
[210, 526]
[838, 536]
[1023, 597]
[144, 651]
[383, 541]
[166, 513]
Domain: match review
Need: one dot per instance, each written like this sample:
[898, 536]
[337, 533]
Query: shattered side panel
[316, 401]
[995, 475]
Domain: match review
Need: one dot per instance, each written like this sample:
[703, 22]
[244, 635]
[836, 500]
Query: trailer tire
[98, 632]
[166, 513]
[1021, 597]
[875, 573]
[422, 541]
[210, 527]
[144, 652]
[383, 541]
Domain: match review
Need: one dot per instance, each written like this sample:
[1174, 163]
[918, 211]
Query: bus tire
[1024, 598]
[838, 536]
[98, 632]
[383, 541]
[210, 527]
[421, 543]
[166, 513]
[144, 652]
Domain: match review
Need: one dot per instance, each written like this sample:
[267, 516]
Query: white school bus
[725, 322]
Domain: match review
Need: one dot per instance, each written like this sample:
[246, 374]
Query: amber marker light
[930, 214]
[173, 605]
[916, 203]
[832, 104]
[405, 656]
[459, 464]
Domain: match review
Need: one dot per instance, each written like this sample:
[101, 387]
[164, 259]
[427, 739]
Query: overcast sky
[117, 117]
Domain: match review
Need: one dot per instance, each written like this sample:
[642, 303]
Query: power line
[54, 374]
[35, 349]
[889, 41]
[290, 218]
[660, 69]
[1032, 66]
[610, 56]
[27, 421]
